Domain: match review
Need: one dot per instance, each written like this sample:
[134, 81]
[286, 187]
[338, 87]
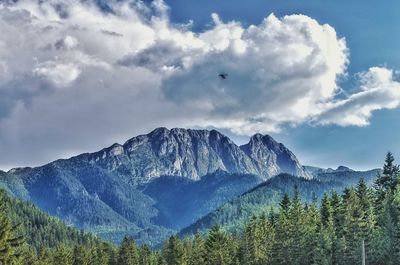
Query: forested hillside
[329, 231]
[153, 184]
[38, 228]
[233, 214]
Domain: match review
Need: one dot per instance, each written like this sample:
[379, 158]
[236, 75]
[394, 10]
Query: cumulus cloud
[76, 77]
[278, 72]
[378, 91]
[60, 74]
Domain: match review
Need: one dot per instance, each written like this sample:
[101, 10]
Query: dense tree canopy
[328, 232]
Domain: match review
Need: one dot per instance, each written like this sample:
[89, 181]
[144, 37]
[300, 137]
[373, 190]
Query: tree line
[329, 231]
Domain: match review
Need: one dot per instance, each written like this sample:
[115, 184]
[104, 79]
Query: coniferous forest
[329, 231]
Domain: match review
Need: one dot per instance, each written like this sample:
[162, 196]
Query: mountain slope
[233, 214]
[346, 175]
[190, 200]
[193, 154]
[40, 229]
[153, 184]
[271, 158]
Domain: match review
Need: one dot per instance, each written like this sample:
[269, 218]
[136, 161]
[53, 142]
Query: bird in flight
[223, 75]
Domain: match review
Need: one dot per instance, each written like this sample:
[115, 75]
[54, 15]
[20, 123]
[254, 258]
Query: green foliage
[298, 232]
[10, 241]
[128, 252]
[234, 214]
[40, 229]
[198, 251]
[219, 248]
[174, 252]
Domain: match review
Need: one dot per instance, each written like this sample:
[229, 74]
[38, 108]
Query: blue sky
[372, 34]
[370, 28]
[320, 76]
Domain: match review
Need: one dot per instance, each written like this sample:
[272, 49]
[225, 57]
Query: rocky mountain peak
[195, 153]
[343, 169]
[158, 133]
[272, 158]
[264, 140]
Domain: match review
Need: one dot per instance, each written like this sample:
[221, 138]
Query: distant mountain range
[157, 183]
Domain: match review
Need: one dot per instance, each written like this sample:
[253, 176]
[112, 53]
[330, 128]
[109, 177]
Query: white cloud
[378, 91]
[68, 42]
[127, 71]
[60, 74]
[279, 72]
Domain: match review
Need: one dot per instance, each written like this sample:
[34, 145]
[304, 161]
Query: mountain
[153, 184]
[40, 229]
[343, 174]
[233, 214]
[193, 154]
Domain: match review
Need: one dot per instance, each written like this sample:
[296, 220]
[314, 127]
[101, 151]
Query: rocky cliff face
[272, 158]
[196, 153]
[153, 184]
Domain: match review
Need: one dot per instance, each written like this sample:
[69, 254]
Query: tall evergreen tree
[81, 255]
[367, 216]
[128, 252]
[198, 251]
[218, 248]
[281, 245]
[313, 252]
[174, 252]
[10, 241]
[63, 255]
[387, 180]
[326, 211]
[285, 203]
[296, 225]
[146, 256]
[258, 241]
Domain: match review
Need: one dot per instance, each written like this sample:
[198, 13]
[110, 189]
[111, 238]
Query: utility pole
[363, 252]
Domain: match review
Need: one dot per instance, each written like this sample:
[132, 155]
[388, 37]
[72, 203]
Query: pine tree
[272, 216]
[198, 251]
[280, 248]
[249, 244]
[10, 242]
[218, 248]
[358, 221]
[338, 234]
[28, 256]
[146, 257]
[386, 236]
[259, 240]
[100, 254]
[128, 253]
[296, 226]
[396, 219]
[313, 252]
[326, 211]
[63, 255]
[43, 257]
[387, 180]
[285, 203]
[327, 230]
[174, 252]
[81, 255]
[390, 231]
[367, 220]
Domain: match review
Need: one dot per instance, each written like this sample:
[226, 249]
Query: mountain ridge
[234, 213]
[248, 161]
[135, 188]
